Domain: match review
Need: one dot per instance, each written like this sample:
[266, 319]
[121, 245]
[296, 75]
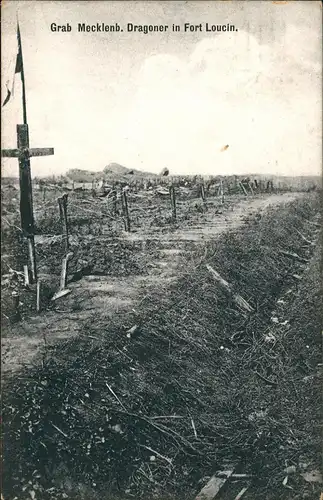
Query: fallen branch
[314, 224]
[59, 430]
[304, 238]
[271, 382]
[193, 427]
[114, 394]
[240, 301]
[156, 453]
[234, 476]
[295, 256]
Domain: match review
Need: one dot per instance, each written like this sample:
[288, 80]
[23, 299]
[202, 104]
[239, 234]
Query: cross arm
[16, 153]
[10, 153]
[41, 151]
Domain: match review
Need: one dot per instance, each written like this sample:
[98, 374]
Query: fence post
[203, 196]
[243, 189]
[38, 296]
[16, 306]
[173, 201]
[203, 193]
[62, 203]
[32, 257]
[26, 275]
[221, 191]
[64, 272]
[125, 210]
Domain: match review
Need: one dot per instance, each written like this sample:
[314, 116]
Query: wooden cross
[23, 152]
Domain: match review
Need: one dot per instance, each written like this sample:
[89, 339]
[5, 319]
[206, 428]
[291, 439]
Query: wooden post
[38, 296]
[62, 203]
[173, 201]
[221, 191]
[203, 193]
[23, 153]
[72, 185]
[243, 189]
[125, 209]
[32, 257]
[235, 183]
[16, 306]
[26, 197]
[63, 280]
[250, 187]
[64, 273]
[26, 275]
[44, 194]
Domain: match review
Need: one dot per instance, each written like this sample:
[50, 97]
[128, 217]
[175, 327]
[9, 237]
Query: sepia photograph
[161, 286]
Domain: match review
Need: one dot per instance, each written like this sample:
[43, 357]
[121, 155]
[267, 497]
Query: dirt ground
[97, 297]
[199, 385]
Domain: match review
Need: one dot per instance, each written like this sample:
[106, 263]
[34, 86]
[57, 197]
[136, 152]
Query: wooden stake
[221, 191]
[62, 203]
[26, 275]
[126, 217]
[16, 304]
[250, 187]
[38, 297]
[63, 281]
[203, 193]
[32, 257]
[243, 188]
[173, 201]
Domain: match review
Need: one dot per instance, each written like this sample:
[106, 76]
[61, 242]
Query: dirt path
[102, 296]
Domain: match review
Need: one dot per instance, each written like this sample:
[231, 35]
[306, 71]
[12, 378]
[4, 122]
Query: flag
[18, 69]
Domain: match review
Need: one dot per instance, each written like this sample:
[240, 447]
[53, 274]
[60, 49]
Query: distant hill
[78, 175]
[115, 170]
[112, 172]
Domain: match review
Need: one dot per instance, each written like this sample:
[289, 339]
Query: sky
[168, 99]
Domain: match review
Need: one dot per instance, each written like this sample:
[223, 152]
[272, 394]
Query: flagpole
[24, 106]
